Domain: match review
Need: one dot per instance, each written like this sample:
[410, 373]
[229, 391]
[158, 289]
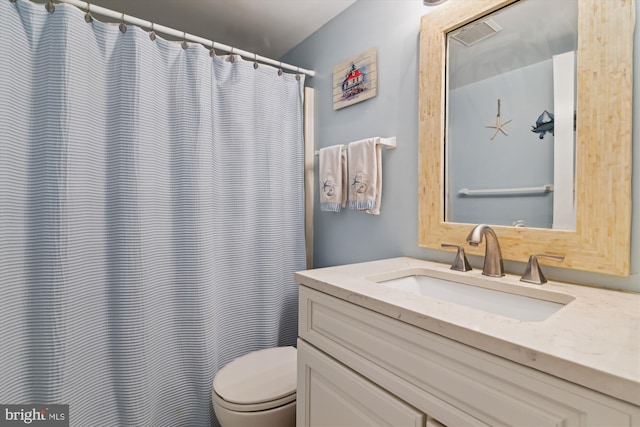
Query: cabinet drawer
[456, 384]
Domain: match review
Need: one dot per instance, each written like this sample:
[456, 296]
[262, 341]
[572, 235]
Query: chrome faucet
[492, 256]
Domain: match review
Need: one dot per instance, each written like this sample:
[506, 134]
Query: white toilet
[257, 389]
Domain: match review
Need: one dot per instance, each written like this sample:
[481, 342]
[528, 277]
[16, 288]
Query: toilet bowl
[257, 389]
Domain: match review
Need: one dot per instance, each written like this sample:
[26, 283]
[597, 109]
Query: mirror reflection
[510, 131]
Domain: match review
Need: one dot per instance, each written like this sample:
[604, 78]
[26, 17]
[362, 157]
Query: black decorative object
[544, 124]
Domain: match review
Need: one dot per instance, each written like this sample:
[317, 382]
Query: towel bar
[506, 191]
[386, 143]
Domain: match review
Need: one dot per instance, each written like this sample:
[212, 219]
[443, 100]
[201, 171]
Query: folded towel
[365, 175]
[333, 178]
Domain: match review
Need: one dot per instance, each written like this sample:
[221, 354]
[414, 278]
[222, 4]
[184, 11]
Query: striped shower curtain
[151, 217]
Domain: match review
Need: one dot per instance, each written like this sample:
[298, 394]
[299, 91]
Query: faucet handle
[533, 272]
[460, 263]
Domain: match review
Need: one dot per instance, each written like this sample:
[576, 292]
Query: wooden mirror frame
[601, 241]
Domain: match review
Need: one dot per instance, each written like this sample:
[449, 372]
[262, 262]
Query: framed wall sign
[356, 79]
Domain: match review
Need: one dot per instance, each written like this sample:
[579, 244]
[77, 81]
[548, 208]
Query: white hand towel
[333, 178]
[365, 175]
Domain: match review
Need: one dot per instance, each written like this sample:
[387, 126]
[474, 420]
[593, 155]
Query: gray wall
[393, 27]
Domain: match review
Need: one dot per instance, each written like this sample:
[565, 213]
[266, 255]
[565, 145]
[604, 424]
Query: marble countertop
[593, 341]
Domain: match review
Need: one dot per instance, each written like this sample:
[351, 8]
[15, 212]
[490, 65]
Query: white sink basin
[505, 299]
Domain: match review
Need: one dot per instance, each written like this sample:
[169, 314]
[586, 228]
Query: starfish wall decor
[498, 126]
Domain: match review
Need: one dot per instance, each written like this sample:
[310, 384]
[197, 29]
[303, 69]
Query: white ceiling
[267, 27]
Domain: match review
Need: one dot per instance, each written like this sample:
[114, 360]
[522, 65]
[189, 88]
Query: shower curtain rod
[182, 35]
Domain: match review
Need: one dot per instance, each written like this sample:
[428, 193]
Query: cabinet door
[331, 395]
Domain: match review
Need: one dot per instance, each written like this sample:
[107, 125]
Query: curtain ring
[184, 40]
[50, 6]
[280, 69]
[212, 51]
[87, 16]
[298, 73]
[255, 61]
[122, 26]
[232, 59]
[152, 33]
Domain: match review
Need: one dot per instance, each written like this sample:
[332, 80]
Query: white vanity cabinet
[357, 367]
[341, 397]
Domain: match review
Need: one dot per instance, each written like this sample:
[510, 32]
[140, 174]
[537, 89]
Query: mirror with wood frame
[601, 239]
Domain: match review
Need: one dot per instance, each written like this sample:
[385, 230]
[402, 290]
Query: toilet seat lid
[258, 377]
